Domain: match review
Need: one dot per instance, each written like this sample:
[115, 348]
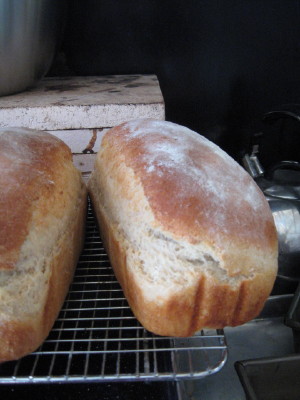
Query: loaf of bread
[42, 215]
[189, 234]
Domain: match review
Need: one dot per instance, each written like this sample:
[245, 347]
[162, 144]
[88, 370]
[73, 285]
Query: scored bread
[189, 234]
[42, 214]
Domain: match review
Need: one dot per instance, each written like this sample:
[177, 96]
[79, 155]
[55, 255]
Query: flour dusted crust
[190, 235]
[42, 214]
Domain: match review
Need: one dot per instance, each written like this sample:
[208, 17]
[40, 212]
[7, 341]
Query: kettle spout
[252, 165]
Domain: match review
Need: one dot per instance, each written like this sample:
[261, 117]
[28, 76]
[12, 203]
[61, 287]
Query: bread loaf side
[189, 234]
[42, 214]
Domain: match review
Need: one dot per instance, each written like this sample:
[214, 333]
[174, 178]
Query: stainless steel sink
[266, 336]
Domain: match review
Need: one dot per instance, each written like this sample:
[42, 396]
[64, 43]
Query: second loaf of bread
[189, 234]
[42, 218]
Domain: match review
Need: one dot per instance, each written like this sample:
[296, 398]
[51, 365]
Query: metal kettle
[280, 183]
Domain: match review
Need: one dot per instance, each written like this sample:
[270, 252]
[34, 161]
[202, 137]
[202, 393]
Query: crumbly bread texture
[42, 214]
[189, 234]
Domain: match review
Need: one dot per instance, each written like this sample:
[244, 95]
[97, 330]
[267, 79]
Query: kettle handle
[294, 165]
[275, 115]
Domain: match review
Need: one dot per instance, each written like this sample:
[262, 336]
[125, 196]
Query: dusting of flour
[176, 150]
[195, 168]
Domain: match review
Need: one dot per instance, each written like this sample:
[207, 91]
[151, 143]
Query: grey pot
[30, 31]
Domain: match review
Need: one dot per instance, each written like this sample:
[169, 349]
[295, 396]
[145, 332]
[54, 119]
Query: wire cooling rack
[97, 338]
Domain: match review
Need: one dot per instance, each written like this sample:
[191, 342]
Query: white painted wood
[79, 110]
[84, 102]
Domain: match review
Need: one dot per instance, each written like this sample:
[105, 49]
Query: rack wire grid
[97, 338]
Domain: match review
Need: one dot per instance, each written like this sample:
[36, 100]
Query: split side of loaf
[42, 214]
[189, 234]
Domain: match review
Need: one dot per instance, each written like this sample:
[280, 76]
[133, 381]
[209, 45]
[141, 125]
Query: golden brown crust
[15, 338]
[162, 179]
[194, 195]
[28, 162]
[41, 187]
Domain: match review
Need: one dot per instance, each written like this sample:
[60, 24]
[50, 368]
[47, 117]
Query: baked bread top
[197, 192]
[30, 164]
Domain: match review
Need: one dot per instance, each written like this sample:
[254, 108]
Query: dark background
[221, 64]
